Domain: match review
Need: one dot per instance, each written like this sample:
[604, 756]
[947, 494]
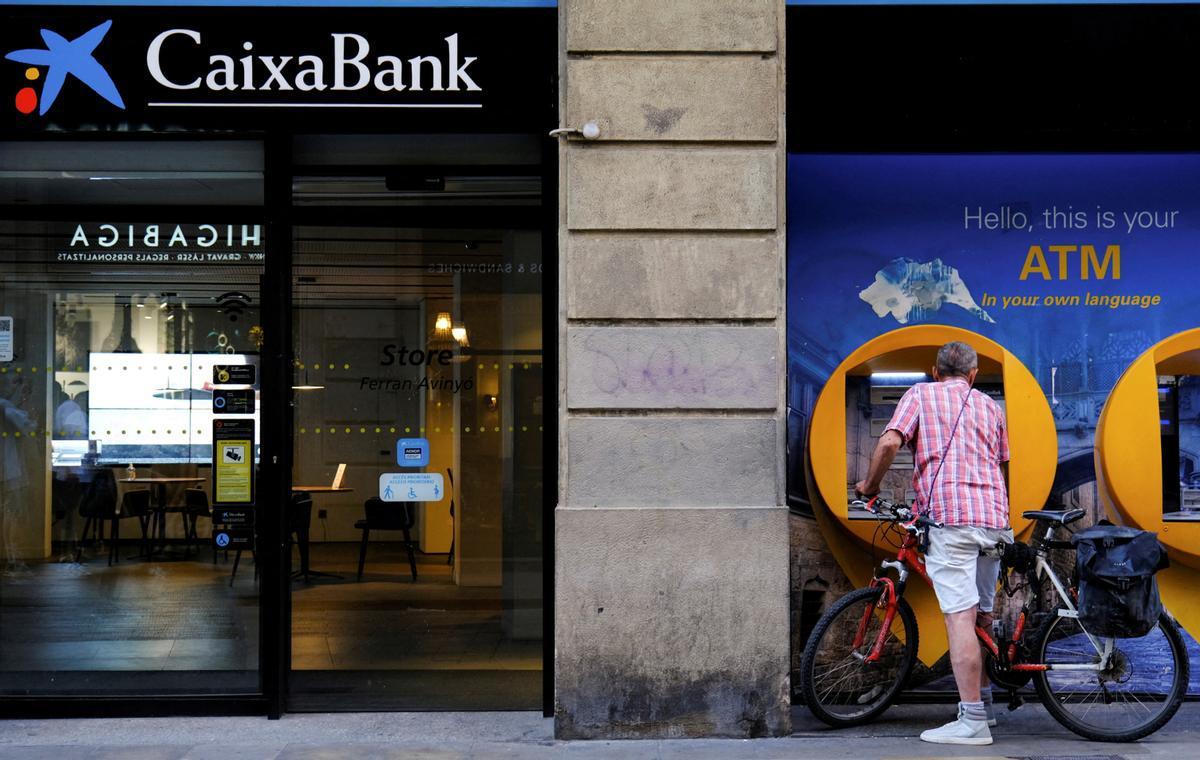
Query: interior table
[159, 506]
[301, 528]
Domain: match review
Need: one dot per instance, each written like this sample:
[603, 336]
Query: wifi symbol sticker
[233, 303]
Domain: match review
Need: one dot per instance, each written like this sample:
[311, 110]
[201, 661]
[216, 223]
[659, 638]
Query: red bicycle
[862, 650]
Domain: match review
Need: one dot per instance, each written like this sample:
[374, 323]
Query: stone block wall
[816, 583]
[672, 538]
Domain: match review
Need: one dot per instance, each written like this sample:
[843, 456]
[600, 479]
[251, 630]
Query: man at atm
[960, 456]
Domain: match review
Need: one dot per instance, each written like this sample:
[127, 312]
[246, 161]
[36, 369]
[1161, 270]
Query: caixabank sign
[130, 68]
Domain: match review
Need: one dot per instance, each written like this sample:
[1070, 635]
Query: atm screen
[1187, 444]
[870, 403]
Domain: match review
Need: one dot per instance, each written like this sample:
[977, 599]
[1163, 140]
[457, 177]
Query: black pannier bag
[1118, 594]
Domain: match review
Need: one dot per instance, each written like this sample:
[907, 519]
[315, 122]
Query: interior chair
[97, 506]
[134, 504]
[237, 559]
[382, 515]
[65, 493]
[299, 517]
[158, 528]
[195, 508]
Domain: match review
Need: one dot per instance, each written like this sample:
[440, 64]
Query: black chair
[237, 560]
[299, 518]
[98, 506]
[384, 516]
[134, 504]
[65, 494]
[195, 507]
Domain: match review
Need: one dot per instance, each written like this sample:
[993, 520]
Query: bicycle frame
[909, 558]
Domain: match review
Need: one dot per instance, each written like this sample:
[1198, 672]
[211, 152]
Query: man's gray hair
[956, 359]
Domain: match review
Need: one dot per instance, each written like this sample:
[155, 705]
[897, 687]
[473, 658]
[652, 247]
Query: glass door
[416, 512]
[128, 271]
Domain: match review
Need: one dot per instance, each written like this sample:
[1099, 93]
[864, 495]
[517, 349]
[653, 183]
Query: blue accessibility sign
[234, 538]
[411, 486]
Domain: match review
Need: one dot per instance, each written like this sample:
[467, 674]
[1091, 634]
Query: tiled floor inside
[178, 622]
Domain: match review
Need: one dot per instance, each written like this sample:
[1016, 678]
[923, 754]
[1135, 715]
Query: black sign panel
[232, 516]
[233, 401]
[233, 538]
[233, 374]
[333, 69]
[1146, 52]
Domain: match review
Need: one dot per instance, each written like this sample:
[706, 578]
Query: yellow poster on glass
[233, 461]
[233, 472]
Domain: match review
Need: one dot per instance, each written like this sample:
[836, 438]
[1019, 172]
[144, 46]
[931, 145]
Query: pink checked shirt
[970, 488]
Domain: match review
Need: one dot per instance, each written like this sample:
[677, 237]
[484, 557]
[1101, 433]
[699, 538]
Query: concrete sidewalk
[448, 736]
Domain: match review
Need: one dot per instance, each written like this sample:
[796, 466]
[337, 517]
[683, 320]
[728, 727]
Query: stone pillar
[672, 535]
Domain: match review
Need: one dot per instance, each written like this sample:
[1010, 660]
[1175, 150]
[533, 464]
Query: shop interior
[416, 289]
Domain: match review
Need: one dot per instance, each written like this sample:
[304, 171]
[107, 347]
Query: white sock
[973, 710]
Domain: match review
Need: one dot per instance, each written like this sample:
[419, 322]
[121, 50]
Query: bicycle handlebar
[898, 512]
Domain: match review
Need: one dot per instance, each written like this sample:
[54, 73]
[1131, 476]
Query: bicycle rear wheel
[1135, 696]
[838, 685]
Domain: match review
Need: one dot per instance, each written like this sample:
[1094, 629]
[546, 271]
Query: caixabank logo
[59, 59]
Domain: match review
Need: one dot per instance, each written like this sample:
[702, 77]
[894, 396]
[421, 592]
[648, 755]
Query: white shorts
[961, 577]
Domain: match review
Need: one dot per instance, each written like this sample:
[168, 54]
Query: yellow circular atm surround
[1032, 442]
[1129, 466]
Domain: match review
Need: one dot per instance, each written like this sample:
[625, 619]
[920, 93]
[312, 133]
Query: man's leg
[965, 657]
[950, 562]
[984, 620]
[987, 575]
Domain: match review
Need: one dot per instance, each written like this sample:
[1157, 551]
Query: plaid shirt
[970, 488]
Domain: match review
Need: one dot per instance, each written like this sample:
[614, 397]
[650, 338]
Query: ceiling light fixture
[442, 337]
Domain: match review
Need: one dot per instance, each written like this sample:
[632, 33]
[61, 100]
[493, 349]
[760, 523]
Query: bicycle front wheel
[839, 685]
[1134, 696]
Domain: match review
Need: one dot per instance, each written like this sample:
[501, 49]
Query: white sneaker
[961, 731]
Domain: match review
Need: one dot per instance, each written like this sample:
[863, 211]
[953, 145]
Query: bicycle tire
[830, 631]
[1155, 719]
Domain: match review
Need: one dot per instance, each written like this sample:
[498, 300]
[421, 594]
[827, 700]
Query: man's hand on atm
[865, 490]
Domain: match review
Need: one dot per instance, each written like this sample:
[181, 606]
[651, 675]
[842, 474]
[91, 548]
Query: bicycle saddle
[1062, 518]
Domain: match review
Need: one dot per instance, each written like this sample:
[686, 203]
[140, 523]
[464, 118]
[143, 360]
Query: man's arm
[881, 459]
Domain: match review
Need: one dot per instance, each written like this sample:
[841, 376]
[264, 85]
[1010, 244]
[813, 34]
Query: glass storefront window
[148, 235]
[418, 417]
[416, 513]
[109, 583]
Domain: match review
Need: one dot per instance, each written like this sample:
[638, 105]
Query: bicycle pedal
[1015, 701]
